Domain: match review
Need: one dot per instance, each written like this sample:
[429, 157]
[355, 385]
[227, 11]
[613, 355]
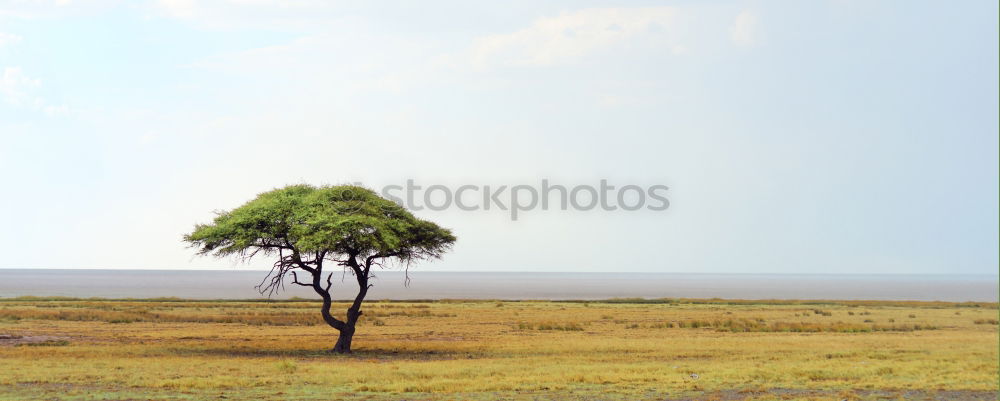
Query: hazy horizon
[473, 270]
[239, 284]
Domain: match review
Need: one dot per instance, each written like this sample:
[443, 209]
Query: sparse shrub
[986, 321]
[49, 343]
[287, 367]
[848, 395]
[760, 325]
[550, 326]
[255, 318]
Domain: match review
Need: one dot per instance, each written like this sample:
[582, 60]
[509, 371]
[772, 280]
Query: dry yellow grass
[165, 349]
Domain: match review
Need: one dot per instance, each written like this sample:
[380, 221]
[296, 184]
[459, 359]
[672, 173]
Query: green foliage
[344, 220]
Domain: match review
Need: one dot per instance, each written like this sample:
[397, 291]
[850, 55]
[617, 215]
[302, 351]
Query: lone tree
[309, 228]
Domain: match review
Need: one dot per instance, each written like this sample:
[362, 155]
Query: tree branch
[297, 259]
[295, 280]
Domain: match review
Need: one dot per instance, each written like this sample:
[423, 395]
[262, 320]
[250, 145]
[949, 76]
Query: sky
[794, 137]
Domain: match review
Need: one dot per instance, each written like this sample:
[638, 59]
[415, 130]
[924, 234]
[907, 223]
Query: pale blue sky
[796, 137]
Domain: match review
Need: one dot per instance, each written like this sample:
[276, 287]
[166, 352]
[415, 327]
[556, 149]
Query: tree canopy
[335, 220]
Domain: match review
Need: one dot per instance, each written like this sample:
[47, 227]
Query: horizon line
[997, 275]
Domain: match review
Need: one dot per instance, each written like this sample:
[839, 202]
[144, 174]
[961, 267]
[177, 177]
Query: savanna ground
[69, 349]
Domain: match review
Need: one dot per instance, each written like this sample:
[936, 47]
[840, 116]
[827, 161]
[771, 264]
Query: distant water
[238, 284]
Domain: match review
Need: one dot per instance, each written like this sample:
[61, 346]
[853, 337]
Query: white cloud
[744, 31]
[571, 36]
[46, 9]
[9, 39]
[15, 86]
[295, 15]
[148, 137]
[17, 89]
[55, 111]
[183, 9]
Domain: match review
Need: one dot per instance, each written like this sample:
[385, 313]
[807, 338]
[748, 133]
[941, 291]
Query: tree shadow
[359, 353]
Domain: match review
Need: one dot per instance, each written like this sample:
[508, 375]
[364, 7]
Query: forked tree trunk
[346, 328]
[343, 345]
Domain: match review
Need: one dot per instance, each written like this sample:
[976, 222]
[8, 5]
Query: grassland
[71, 349]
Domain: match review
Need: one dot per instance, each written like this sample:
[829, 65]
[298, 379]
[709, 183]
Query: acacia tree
[309, 229]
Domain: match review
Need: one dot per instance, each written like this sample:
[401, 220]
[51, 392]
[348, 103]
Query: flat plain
[625, 349]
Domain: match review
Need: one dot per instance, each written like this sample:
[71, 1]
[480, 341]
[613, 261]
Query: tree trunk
[344, 341]
[354, 312]
[347, 333]
[346, 327]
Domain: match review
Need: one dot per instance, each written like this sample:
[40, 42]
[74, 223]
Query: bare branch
[295, 279]
[274, 281]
